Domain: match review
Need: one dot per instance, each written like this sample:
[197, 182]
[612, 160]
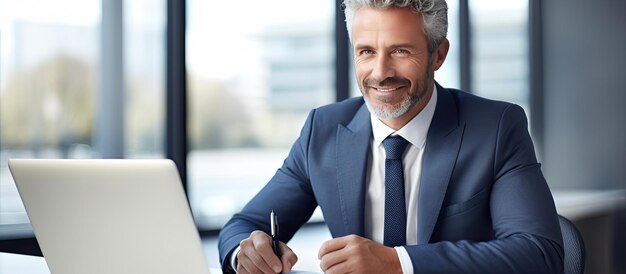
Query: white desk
[23, 264]
[13, 263]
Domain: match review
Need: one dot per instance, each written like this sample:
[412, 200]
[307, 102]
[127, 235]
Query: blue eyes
[370, 52]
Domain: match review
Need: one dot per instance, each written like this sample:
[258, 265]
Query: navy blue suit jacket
[484, 205]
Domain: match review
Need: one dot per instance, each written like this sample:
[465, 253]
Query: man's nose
[383, 68]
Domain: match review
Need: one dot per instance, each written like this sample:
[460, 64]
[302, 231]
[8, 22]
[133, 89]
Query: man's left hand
[356, 254]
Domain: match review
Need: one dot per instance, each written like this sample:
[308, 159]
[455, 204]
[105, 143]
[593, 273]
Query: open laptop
[110, 216]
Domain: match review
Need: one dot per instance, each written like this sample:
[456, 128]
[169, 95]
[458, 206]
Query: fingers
[241, 269]
[333, 260]
[354, 254]
[333, 245]
[344, 267]
[333, 253]
[289, 258]
[263, 246]
[256, 255]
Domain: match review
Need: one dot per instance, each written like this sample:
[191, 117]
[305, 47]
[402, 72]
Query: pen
[274, 231]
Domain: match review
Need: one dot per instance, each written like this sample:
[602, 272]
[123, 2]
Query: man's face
[391, 58]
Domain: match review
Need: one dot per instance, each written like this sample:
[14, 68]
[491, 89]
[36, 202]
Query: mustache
[390, 81]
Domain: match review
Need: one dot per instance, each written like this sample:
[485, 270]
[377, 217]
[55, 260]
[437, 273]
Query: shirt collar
[415, 131]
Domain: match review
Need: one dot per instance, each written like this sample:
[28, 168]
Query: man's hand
[256, 255]
[354, 254]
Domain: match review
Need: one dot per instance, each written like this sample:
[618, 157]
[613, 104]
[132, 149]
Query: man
[412, 177]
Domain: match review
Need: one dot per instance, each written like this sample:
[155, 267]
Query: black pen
[274, 231]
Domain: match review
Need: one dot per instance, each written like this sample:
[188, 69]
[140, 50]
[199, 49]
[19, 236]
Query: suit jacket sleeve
[527, 233]
[288, 193]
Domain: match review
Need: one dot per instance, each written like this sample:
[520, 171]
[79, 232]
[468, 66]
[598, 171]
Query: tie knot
[395, 146]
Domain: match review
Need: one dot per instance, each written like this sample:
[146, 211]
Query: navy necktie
[395, 206]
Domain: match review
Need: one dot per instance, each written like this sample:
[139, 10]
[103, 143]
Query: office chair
[574, 246]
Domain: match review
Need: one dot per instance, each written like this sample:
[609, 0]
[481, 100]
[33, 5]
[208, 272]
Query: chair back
[574, 246]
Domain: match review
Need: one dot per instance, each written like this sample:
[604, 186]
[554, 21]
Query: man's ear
[440, 53]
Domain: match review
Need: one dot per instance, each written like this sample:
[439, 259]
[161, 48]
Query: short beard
[387, 113]
[392, 112]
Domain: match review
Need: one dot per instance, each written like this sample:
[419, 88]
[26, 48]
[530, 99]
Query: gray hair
[434, 13]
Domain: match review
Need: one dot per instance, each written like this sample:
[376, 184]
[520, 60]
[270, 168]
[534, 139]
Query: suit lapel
[440, 154]
[353, 145]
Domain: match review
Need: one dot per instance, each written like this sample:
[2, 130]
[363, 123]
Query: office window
[51, 84]
[500, 62]
[449, 75]
[48, 80]
[255, 70]
[144, 77]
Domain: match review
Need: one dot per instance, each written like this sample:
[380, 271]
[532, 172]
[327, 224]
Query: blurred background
[92, 78]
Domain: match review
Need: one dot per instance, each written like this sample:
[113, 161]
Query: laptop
[110, 216]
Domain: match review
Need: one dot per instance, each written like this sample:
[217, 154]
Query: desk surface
[23, 264]
[14, 263]
[573, 204]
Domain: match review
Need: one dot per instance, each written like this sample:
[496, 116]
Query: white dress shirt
[415, 132]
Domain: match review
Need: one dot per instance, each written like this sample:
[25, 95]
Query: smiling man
[393, 65]
[411, 177]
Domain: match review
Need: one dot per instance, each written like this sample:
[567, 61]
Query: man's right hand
[256, 255]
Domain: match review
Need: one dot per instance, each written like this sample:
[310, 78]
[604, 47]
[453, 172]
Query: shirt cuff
[233, 258]
[405, 260]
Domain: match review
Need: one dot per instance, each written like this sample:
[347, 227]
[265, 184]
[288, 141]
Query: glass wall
[144, 77]
[48, 80]
[449, 75]
[500, 55]
[255, 70]
[50, 84]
